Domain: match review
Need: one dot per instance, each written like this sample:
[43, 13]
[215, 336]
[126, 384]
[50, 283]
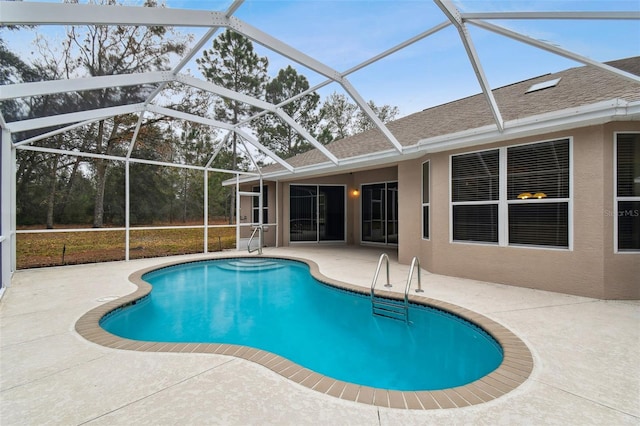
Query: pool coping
[515, 369]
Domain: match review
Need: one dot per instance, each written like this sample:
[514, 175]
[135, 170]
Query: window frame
[345, 214]
[568, 200]
[426, 204]
[265, 204]
[503, 202]
[616, 198]
[384, 209]
[474, 203]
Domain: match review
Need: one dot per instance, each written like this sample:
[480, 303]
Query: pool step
[394, 309]
[251, 264]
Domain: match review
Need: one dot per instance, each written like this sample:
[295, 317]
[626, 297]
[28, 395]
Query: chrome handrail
[375, 277]
[257, 229]
[415, 262]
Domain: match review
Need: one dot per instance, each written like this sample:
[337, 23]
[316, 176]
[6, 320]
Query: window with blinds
[517, 195]
[628, 191]
[475, 176]
[475, 192]
[425, 200]
[538, 193]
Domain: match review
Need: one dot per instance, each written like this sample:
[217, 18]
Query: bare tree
[110, 50]
[341, 118]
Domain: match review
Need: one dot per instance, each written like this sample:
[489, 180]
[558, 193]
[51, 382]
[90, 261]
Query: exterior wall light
[355, 192]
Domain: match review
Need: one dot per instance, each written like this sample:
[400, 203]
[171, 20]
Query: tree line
[66, 189]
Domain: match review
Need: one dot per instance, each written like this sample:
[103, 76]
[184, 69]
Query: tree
[276, 134]
[14, 70]
[109, 50]
[233, 64]
[341, 118]
[385, 113]
[44, 177]
[338, 114]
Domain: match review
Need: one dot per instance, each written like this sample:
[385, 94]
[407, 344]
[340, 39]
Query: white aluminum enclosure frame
[34, 13]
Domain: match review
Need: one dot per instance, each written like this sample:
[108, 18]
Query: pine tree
[276, 134]
[233, 64]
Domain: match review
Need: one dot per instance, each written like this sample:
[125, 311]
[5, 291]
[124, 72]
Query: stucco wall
[590, 269]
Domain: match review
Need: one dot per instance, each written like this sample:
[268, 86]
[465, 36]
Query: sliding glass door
[380, 213]
[317, 213]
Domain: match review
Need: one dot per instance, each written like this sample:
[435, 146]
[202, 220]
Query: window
[475, 195]
[627, 201]
[425, 200]
[265, 205]
[518, 195]
[538, 194]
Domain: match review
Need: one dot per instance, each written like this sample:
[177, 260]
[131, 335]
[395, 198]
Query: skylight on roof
[543, 85]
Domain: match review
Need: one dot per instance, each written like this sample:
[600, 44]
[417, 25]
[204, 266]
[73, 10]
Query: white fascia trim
[598, 113]
[389, 156]
[74, 117]
[26, 13]
[40, 88]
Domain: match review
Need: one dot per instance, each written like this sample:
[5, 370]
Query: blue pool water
[277, 306]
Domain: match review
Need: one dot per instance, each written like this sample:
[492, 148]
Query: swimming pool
[516, 367]
[279, 307]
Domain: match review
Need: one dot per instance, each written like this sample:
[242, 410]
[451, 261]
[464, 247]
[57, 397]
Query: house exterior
[551, 202]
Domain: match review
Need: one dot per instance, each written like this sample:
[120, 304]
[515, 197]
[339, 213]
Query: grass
[68, 248]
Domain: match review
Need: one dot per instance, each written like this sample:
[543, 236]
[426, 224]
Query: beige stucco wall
[591, 268]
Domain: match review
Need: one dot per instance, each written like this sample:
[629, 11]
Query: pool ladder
[393, 308]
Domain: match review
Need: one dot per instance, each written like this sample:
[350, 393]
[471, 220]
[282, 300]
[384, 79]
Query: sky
[433, 71]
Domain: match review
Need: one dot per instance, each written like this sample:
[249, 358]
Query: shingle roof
[577, 87]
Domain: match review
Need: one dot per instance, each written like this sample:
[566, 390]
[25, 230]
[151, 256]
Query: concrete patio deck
[586, 354]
